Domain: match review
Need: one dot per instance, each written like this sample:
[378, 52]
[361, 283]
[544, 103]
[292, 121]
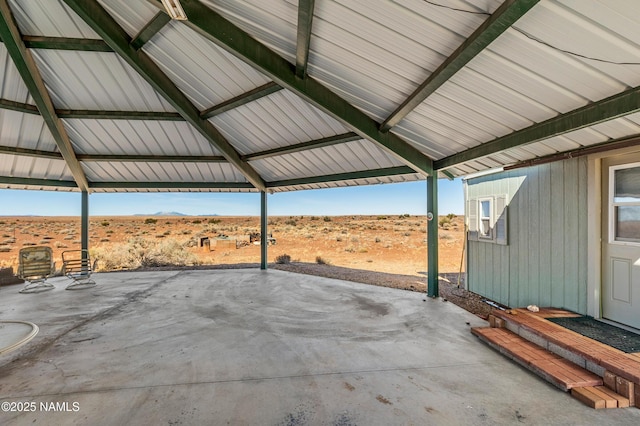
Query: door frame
[595, 233]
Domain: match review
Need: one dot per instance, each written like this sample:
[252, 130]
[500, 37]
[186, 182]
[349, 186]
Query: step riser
[574, 357]
[550, 367]
[611, 361]
[552, 347]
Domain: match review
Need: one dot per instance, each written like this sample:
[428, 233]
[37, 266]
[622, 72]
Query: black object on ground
[610, 335]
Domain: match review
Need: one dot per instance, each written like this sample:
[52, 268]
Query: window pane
[627, 223]
[485, 228]
[485, 207]
[627, 185]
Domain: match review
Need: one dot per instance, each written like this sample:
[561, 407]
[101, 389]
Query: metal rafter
[66, 43]
[36, 153]
[120, 115]
[92, 114]
[153, 158]
[303, 146]
[364, 174]
[305, 20]
[245, 98]
[103, 24]
[597, 112]
[29, 72]
[505, 16]
[223, 33]
[95, 158]
[152, 28]
[171, 185]
[19, 107]
[38, 182]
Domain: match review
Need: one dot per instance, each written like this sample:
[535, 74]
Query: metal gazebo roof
[279, 95]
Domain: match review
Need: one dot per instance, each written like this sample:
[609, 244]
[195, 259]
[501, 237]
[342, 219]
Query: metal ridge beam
[303, 146]
[591, 114]
[104, 24]
[38, 182]
[365, 174]
[505, 16]
[305, 21]
[245, 98]
[29, 72]
[225, 34]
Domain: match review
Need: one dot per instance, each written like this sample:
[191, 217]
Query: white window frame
[491, 235]
[498, 207]
[612, 205]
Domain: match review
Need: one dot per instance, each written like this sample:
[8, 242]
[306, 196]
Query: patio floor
[249, 347]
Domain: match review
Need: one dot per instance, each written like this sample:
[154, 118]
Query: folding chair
[35, 266]
[76, 264]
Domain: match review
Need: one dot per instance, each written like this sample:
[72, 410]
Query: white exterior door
[621, 239]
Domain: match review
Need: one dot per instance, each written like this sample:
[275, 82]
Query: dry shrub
[283, 259]
[143, 253]
[321, 261]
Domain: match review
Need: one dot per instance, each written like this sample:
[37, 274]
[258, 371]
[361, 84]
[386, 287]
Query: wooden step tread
[551, 367]
[599, 397]
[610, 359]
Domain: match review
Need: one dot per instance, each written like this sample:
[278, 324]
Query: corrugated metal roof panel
[349, 157]
[156, 190]
[525, 77]
[277, 120]
[131, 15]
[96, 81]
[51, 18]
[25, 131]
[162, 172]
[596, 29]
[207, 74]
[38, 187]
[273, 22]
[12, 86]
[376, 56]
[121, 137]
[30, 167]
[352, 182]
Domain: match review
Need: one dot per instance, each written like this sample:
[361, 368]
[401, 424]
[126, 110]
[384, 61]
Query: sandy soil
[388, 251]
[392, 244]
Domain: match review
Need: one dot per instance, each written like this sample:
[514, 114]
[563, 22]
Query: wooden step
[599, 397]
[588, 353]
[556, 370]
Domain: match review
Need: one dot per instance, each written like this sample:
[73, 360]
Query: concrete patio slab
[251, 347]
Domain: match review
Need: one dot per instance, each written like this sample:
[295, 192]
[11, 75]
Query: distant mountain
[162, 214]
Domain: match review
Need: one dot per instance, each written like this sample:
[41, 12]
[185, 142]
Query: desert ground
[392, 244]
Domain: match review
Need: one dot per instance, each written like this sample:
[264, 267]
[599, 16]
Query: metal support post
[264, 237]
[432, 236]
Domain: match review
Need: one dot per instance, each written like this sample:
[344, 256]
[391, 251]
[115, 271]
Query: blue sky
[373, 199]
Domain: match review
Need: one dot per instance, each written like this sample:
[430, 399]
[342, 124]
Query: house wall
[545, 259]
